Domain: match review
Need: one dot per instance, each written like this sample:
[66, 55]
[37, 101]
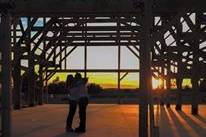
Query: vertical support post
[85, 48]
[46, 89]
[119, 54]
[145, 69]
[179, 78]
[195, 66]
[166, 53]
[60, 52]
[31, 80]
[65, 60]
[17, 71]
[195, 90]
[168, 78]
[162, 69]
[5, 41]
[179, 95]
[179, 91]
[85, 61]
[41, 86]
[55, 53]
[168, 81]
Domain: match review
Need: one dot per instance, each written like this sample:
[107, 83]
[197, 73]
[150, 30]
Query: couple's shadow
[66, 134]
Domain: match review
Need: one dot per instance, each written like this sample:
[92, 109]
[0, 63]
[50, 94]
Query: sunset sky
[105, 58]
[106, 80]
[100, 58]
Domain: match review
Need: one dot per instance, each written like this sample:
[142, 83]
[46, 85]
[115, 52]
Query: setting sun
[156, 83]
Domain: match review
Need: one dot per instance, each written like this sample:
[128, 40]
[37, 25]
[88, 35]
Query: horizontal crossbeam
[99, 7]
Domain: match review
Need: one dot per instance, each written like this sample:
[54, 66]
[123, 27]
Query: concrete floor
[105, 121]
[182, 124]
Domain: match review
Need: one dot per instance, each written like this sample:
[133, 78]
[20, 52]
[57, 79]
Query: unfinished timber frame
[168, 37]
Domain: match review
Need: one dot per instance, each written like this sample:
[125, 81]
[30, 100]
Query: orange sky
[106, 80]
[109, 80]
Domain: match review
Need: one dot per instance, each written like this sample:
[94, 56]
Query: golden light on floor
[197, 121]
[172, 123]
[190, 130]
[156, 83]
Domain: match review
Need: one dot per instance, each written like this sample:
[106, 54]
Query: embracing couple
[78, 96]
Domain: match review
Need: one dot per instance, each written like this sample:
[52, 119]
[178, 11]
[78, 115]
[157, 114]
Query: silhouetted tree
[56, 80]
[57, 87]
[94, 88]
[25, 79]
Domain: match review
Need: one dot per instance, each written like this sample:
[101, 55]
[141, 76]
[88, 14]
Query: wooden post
[5, 41]
[119, 55]
[195, 68]
[41, 86]
[85, 49]
[179, 78]
[31, 81]
[17, 72]
[195, 90]
[145, 70]
[179, 94]
[195, 77]
[31, 73]
[168, 74]
[168, 83]
[46, 88]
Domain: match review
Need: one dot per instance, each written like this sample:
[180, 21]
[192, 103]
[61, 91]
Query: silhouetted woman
[82, 101]
[70, 87]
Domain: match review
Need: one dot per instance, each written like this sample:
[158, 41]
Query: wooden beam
[5, 41]
[95, 70]
[98, 44]
[90, 28]
[110, 19]
[99, 38]
[56, 7]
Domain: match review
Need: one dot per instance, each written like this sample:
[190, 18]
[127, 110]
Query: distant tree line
[59, 87]
[202, 86]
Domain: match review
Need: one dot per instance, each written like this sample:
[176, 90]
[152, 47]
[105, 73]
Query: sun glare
[156, 83]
